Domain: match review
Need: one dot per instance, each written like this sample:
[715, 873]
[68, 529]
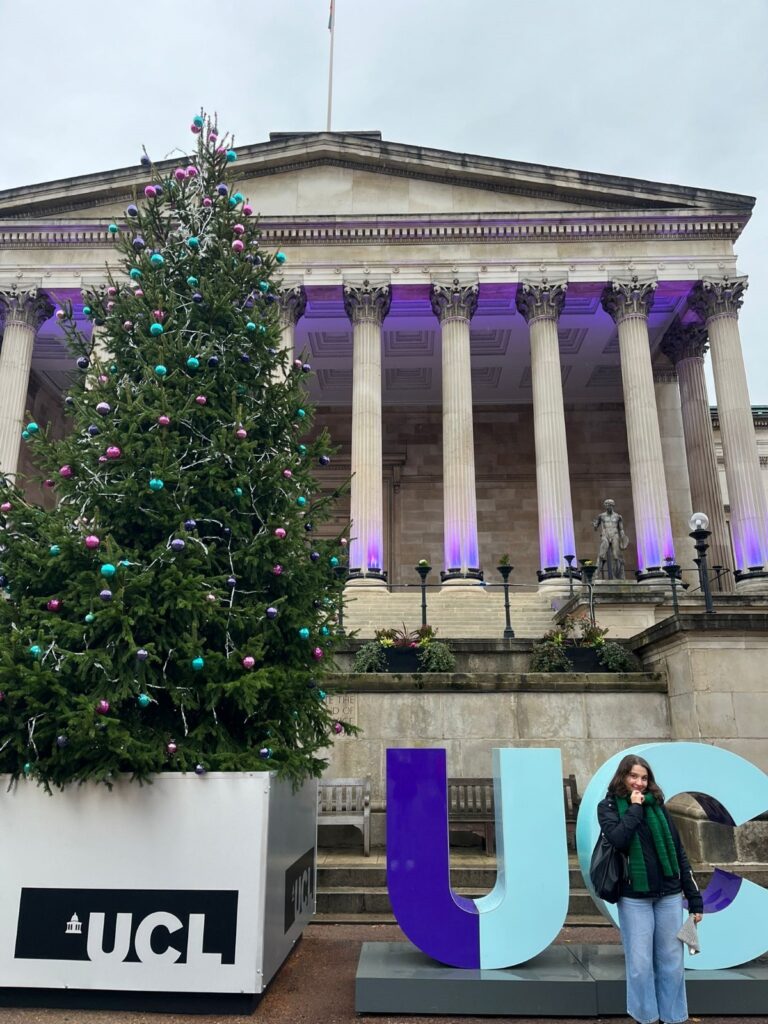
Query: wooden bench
[471, 807]
[346, 802]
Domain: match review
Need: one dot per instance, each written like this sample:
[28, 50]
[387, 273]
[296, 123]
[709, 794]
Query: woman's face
[636, 779]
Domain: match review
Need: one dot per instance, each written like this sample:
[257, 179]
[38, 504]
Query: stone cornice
[406, 229]
[759, 417]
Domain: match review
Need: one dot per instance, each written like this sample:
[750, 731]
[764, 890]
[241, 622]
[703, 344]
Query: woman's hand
[696, 918]
[636, 797]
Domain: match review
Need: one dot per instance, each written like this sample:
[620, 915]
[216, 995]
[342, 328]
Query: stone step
[572, 920]
[480, 878]
[375, 900]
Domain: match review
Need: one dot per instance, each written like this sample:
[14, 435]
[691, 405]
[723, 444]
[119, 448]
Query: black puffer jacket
[621, 830]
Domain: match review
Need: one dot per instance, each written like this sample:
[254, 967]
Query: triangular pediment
[359, 174]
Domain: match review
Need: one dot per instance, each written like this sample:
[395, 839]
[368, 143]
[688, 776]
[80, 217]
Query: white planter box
[187, 894]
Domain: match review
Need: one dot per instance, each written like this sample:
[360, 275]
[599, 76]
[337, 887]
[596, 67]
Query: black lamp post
[673, 571]
[588, 570]
[423, 569]
[569, 559]
[699, 534]
[505, 570]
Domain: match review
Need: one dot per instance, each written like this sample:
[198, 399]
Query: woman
[634, 819]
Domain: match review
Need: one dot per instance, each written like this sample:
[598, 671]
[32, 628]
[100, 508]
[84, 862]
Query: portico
[497, 347]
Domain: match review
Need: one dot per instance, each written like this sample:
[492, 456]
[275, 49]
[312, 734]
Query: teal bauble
[333, 561]
[155, 330]
[302, 449]
[35, 650]
[124, 563]
[113, 368]
[231, 156]
[232, 201]
[25, 435]
[192, 282]
[304, 633]
[107, 570]
[238, 492]
[112, 229]
[161, 370]
[301, 413]
[198, 121]
[262, 329]
[198, 663]
[32, 427]
[193, 363]
[87, 310]
[250, 326]
[263, 286]
[155, 484]
[238, 197]
[156, 259]
[324, 630]
[321, 695]
[90, 617]
[281, 257]
[301, 501]
[193, 242]
[134, 273]
[143, 700]
[27, 768]
[54, 550]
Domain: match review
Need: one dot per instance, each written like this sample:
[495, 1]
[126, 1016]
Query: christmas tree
[175, 610]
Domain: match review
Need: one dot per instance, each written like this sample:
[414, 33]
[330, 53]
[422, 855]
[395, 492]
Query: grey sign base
[580, 980]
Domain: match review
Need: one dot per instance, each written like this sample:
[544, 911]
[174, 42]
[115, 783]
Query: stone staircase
[353, 888]
[455, 611]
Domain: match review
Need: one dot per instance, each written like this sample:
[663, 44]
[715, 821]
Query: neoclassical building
[497, 346]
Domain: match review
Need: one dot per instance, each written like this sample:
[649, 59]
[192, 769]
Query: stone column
[541, 304]
[665, 384]
[718, 303]
[454, 305]
[291, 303]
[23, 312]
[367, 305]
[685, 345]
[629, 302]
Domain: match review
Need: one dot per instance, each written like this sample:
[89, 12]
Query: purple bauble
[103, 408]
[83, 363]
[199, 769]
[141, 654]
[138, 243]
[177, 544]
[190, 524]
[213, 362]
[105, 595]
[324, 460]
[271, 613]
[103, 707]
[197, 297]
[93, 430]
[231, 582]
[61, 741]
[314, 556]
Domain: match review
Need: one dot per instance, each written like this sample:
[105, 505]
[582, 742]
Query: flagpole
[332, 27]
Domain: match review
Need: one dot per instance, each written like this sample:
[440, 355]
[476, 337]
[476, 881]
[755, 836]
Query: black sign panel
[299, 887]
[130, 925]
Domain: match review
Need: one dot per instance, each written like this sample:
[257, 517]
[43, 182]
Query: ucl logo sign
[526, 908]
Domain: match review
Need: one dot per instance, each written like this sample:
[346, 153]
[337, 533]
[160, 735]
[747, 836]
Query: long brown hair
[618, 787]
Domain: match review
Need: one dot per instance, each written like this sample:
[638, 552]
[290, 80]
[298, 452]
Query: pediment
[344, 175]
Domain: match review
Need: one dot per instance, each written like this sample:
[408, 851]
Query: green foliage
[201, 570]
[370, 658]
[433, 655]
[549, 656]
[436, 657]
[617, 658]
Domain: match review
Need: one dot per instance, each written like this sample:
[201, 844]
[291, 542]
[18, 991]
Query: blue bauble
[213, 362]
[199, 769]
[144, 700]
[83, 363]
[304, 633]
[132, 210]
[156, 330]
[244, 357]
[198, 663]
[192, 282]
[314, 556]
[93, 430]
[190, 524]
[145, 161]
[265, 753]
[324, 460]
[222, 189]
[197, 297]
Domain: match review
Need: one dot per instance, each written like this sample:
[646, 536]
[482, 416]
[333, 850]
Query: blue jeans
[654, 958]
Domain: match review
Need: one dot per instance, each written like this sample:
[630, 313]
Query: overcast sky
[671, 90]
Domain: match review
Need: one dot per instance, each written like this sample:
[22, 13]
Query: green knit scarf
[656, 821]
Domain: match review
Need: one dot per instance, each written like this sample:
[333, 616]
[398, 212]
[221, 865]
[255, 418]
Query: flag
[330, 18]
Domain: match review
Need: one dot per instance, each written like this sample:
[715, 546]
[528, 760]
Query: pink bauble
[159, 315]
[241, 433]
[92, 541]
[338, 728]
[103, 378]
[5, 507]
[287, 474]
[277, 570]
[110, 306]
[211, 598]
[248, 661]
[65, 471]
[103, 458]
[111, 290]
[150, 191]
[113, 452]
[220, 150]
[195, 129]
[59, 314]
[280, 533]
[103, 707]
[238, 229]
[139, 293]
[171, 747]
[192, 171]
[163, 420]
[127, 325]
[54, 605]
[201, 399]
[317, 653]
[343, 542]
[247, 210]
[48, 483]
[179, 174]
[297, 363]
[207, 202]
[213, 134]
[237, 245]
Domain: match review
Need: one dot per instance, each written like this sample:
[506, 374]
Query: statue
[613, 541]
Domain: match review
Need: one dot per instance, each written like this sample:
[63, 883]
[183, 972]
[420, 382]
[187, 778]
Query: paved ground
[316, 986]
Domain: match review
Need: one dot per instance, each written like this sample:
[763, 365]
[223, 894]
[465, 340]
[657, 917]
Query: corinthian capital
[367, 301]
[454, 300]
[711, 298]
[684, 341]
[291, 303]
[542, 298]
[28, 307]
[628, 298]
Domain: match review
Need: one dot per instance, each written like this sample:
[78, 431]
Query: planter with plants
[401, 650]
[579, 645]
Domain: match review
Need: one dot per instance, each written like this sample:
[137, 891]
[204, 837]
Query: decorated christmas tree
[175, 610]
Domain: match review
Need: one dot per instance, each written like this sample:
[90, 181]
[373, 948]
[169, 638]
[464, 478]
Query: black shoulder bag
[607, 870]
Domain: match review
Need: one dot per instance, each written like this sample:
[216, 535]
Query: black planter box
[402, 659]
[584, 659]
